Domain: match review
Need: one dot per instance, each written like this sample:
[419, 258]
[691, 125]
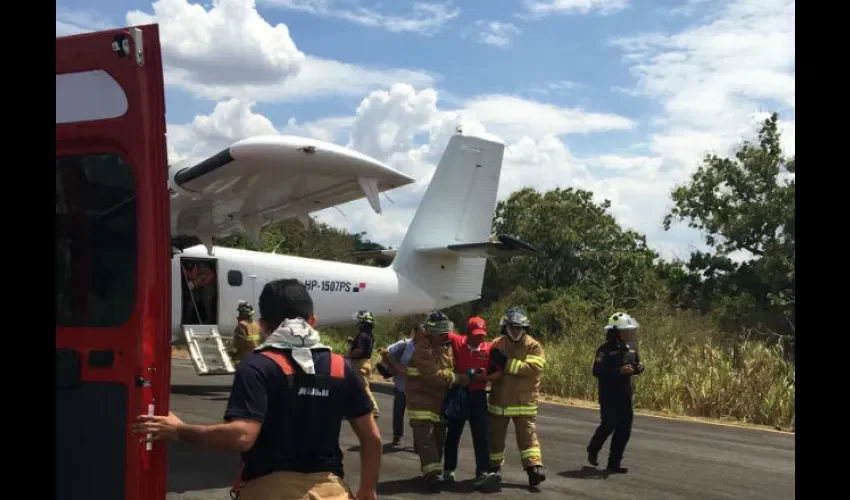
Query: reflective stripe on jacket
[517, 391]
[430, 374]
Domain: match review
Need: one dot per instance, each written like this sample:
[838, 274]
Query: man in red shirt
[471, 352]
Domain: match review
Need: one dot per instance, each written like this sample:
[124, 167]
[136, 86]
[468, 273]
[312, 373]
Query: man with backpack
[286, 408]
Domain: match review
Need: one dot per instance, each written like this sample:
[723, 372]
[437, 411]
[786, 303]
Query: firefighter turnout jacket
[517, 391]
[246, 338]
[430, 375]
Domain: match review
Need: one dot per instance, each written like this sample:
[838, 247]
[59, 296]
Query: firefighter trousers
[616, 418]
[364, 367]
[296, 486]
[525, 428]
[428, 439]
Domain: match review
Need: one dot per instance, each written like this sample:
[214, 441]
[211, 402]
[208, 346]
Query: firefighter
[360, 352]
[514, 395]
[430, 374]
[616, 361]
[246, 336]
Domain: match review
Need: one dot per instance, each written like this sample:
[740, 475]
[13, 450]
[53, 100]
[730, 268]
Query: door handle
[149, 444]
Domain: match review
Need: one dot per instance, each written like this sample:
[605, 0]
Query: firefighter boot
[432, 482]
[536, 475]
[617, 469]
[496, 471]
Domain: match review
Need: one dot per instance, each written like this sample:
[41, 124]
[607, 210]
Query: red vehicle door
[113, 285]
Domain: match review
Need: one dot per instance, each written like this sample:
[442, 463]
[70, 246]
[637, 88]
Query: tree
[583, 249]
[317, 241]
[743, 205]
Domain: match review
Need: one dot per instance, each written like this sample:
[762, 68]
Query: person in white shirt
[395, 358]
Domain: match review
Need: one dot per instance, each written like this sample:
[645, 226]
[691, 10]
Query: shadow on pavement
[586, 472]
[191, 468]
[387, 448]
[413, 485]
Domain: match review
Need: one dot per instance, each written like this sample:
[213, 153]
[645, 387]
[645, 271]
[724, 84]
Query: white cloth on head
[298, 336]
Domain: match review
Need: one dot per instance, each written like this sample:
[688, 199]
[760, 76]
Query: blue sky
[617, 96]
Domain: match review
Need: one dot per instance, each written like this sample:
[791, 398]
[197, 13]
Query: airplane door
[113, 287]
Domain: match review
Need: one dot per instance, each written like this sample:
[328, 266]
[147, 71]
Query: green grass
[688, 372]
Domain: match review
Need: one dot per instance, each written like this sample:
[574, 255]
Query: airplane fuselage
[338, 289]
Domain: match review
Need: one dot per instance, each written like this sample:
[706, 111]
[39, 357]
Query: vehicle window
[96, 241]
[234, 278]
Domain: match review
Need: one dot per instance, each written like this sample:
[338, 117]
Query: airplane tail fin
[444, 251]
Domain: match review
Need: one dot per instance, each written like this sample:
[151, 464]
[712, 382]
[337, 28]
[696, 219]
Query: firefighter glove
[498, 358]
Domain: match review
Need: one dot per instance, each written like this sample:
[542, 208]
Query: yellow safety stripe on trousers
[412, 371]
[424, 415]
[497, 457]
[530, 453]
[538, 361]
[252, 338]
[513, 411]
[431, 468]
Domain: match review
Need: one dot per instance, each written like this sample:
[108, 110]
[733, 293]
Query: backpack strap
[281, 361]
[337, 366]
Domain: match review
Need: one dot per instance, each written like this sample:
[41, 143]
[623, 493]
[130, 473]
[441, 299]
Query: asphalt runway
[667, 459]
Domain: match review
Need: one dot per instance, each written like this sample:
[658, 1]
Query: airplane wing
[265, 179]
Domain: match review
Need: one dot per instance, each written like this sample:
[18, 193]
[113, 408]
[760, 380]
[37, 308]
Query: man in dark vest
[286, 408]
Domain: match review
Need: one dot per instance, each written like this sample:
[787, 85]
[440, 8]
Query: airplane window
[234, 278]
[96, 254]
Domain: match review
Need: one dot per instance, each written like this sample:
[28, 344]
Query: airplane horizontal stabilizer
[374, 254]
[506, 246]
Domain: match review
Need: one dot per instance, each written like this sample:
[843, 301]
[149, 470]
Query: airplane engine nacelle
[174, 186]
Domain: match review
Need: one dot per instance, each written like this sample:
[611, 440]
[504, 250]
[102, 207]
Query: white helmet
[622, 321]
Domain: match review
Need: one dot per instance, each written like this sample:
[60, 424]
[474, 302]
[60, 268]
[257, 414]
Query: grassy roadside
[689, 376]
[693, 371]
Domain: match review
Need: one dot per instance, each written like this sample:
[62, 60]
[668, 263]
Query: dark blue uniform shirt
[307, 442]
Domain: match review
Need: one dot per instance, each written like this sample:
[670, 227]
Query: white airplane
[260, 180]
[440, 262]
[113, 228]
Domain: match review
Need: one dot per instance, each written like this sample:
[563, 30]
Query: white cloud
[494, 33]
[69, 22]
[228, 44]
[230, 121]
[513, 117]
[713, 83]
[317, 78]
[425, 18]
[228, 50]
[539, 8]
[557, 87]
[716, 80]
